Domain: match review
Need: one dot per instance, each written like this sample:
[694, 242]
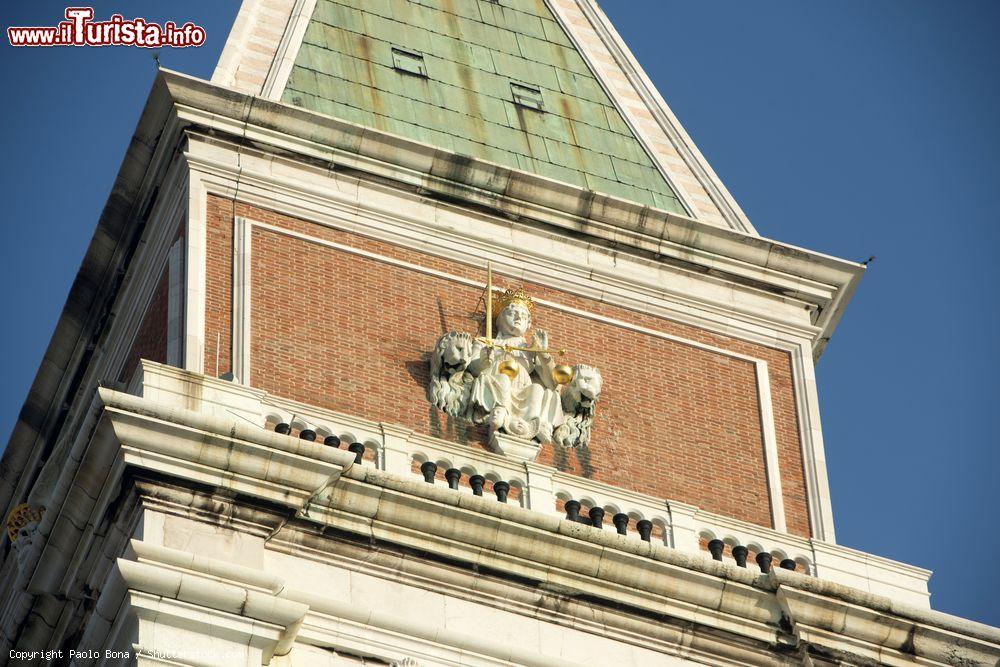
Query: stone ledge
[683, 522]
[628, 574]
[509, 192]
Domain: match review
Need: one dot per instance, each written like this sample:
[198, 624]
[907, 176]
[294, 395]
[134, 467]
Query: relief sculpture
[515, 388]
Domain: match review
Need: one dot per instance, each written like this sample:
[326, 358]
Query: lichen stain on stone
[434, 421]
[364, 48]
[559, 459]
[567, 114]
[583, 456]
[561, 56]
[472, 100]
[451, 18]
[909, 646]
[785, 624]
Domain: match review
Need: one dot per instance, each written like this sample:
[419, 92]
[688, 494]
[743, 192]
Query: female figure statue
[514, 391]
[510, 385]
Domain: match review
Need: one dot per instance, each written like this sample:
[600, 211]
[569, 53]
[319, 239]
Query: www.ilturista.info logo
[79, 29]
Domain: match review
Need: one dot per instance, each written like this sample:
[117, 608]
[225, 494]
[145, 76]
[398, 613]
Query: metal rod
[489, 303]
[510, 348]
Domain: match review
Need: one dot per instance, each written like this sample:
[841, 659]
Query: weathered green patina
[472, 51]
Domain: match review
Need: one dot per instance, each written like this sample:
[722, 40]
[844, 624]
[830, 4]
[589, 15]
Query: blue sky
[852, 128]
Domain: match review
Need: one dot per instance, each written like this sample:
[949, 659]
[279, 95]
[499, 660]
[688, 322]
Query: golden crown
[503, 299]
[20, 517]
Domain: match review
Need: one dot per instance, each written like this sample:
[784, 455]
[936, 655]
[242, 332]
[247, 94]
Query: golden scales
[561, 373]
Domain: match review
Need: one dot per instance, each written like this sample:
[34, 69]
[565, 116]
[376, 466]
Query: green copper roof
[448, 72]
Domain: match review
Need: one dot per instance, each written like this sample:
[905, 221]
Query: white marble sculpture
[578, 402]
[451, 383]
[22, 529]
[513, 386]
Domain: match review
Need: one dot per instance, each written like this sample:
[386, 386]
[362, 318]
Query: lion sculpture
[578, 403]
[451, 385]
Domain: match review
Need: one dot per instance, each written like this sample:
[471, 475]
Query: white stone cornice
[398, 447]
[168, 587]
[231, 455]
[620, 569]
[736, 293]
[562, 554]
[602, 565]
[724, 605]
[147, 552]
[482, 184]
[715, 254]
[844, 621]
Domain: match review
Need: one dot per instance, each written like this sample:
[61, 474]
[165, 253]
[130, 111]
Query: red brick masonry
[352, 334]
[151, 340]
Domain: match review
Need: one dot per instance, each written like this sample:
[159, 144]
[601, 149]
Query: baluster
[764, 561]
[359, 451]
[645, 528]
[740, 554]
[476, 482]
[428, 469]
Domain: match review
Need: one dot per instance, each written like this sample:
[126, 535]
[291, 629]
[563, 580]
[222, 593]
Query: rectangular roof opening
[527, 96]
[410, 62]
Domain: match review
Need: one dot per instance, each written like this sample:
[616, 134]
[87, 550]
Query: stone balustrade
[541, 488]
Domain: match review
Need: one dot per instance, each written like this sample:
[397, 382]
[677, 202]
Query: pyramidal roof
[542, 86]
[499, 82]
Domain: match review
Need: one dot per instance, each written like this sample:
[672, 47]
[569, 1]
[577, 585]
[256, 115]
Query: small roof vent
[410, 62]
[527, 96]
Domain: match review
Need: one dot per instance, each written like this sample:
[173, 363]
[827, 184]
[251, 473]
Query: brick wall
[352, 334]
[219, 293]
[151, 341]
